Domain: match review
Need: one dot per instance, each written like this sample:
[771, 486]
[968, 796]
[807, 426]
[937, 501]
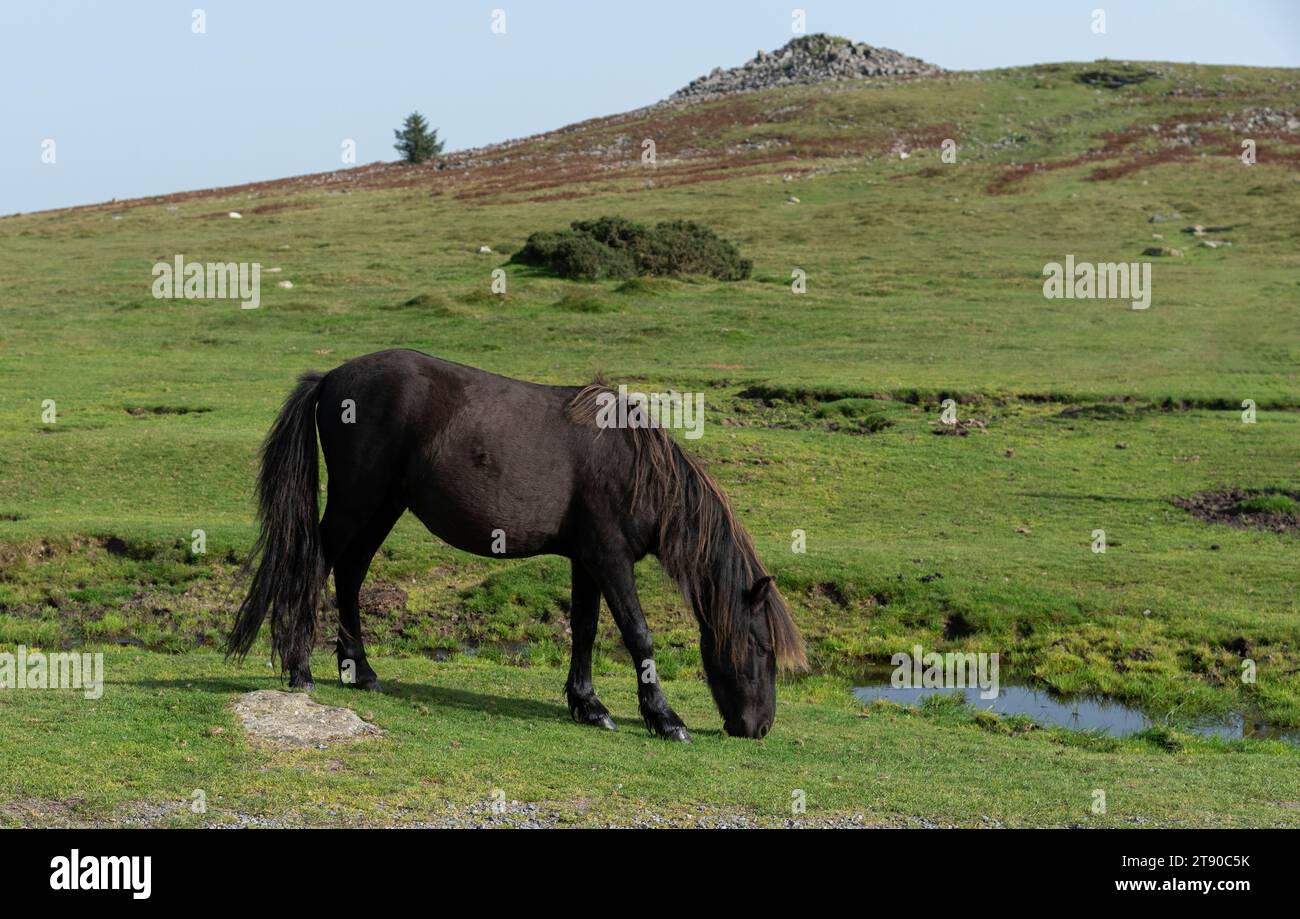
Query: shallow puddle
[1080, 713]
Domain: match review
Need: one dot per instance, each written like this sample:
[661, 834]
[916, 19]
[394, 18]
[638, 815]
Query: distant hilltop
[818, 58]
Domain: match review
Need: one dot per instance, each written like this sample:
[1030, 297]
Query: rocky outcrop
[808, 59]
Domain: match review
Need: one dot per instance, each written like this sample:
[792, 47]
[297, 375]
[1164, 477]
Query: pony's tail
[288, 554]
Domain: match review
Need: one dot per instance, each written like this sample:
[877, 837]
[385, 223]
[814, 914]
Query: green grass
[458, 731]
[822, 407]
[1268, 504]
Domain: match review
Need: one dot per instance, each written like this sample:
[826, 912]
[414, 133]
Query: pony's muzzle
[754, 728]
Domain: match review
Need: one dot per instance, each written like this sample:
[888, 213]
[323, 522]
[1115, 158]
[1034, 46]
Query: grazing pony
[507, 469]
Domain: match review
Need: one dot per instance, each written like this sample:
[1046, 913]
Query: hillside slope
[1048, 162]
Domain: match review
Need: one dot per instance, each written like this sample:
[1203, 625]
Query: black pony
[508, 469]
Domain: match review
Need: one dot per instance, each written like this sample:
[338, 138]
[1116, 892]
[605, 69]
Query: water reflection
[1080, 713]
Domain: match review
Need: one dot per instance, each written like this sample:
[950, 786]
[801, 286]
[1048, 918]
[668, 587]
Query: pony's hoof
[588, 710]
[678, 734]
[303, 687]
[370, 686]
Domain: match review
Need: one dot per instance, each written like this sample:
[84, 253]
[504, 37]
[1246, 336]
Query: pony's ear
[760, 589]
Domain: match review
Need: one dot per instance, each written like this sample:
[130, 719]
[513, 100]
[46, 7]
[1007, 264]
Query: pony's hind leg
[584, 610]
[350, 567]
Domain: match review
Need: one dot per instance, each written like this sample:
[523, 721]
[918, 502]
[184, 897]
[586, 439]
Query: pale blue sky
[138, 104]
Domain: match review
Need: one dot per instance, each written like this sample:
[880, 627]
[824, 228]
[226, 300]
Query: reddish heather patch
[1132, 146]
[560, 196]
[929, 172]
[278, 206]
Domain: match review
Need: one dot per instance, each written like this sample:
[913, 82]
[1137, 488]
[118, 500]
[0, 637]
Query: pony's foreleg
[619, 584]
[584, 610]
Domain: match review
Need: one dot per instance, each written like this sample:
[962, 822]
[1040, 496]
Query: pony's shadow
[527, 709]
[446, 696]
[421, 693]
[508, 706]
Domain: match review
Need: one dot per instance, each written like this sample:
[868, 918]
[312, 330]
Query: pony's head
[746, 633]
[741, 664]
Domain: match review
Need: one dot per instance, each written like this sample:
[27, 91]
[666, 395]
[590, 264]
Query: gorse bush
[685, 247]
[583, 258]
[614, 247]
[615, 232]
[575, 255]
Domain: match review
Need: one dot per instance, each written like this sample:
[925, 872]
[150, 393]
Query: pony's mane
[702, 546]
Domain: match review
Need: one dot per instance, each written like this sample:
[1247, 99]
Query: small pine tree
[415, 141]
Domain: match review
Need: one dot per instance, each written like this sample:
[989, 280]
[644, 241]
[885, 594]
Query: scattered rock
[793, 200]
[235, 215]
[1162, 251]
[484, 250]
[959, 428]
[291, 720]
[285, 284]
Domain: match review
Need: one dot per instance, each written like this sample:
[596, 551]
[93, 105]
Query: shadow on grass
[444, 696]
[522, 708]
[434, 696]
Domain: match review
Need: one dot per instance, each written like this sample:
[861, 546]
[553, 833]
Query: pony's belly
[490, 515]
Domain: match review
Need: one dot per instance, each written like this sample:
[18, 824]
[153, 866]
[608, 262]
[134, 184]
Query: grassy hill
[924, 282]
